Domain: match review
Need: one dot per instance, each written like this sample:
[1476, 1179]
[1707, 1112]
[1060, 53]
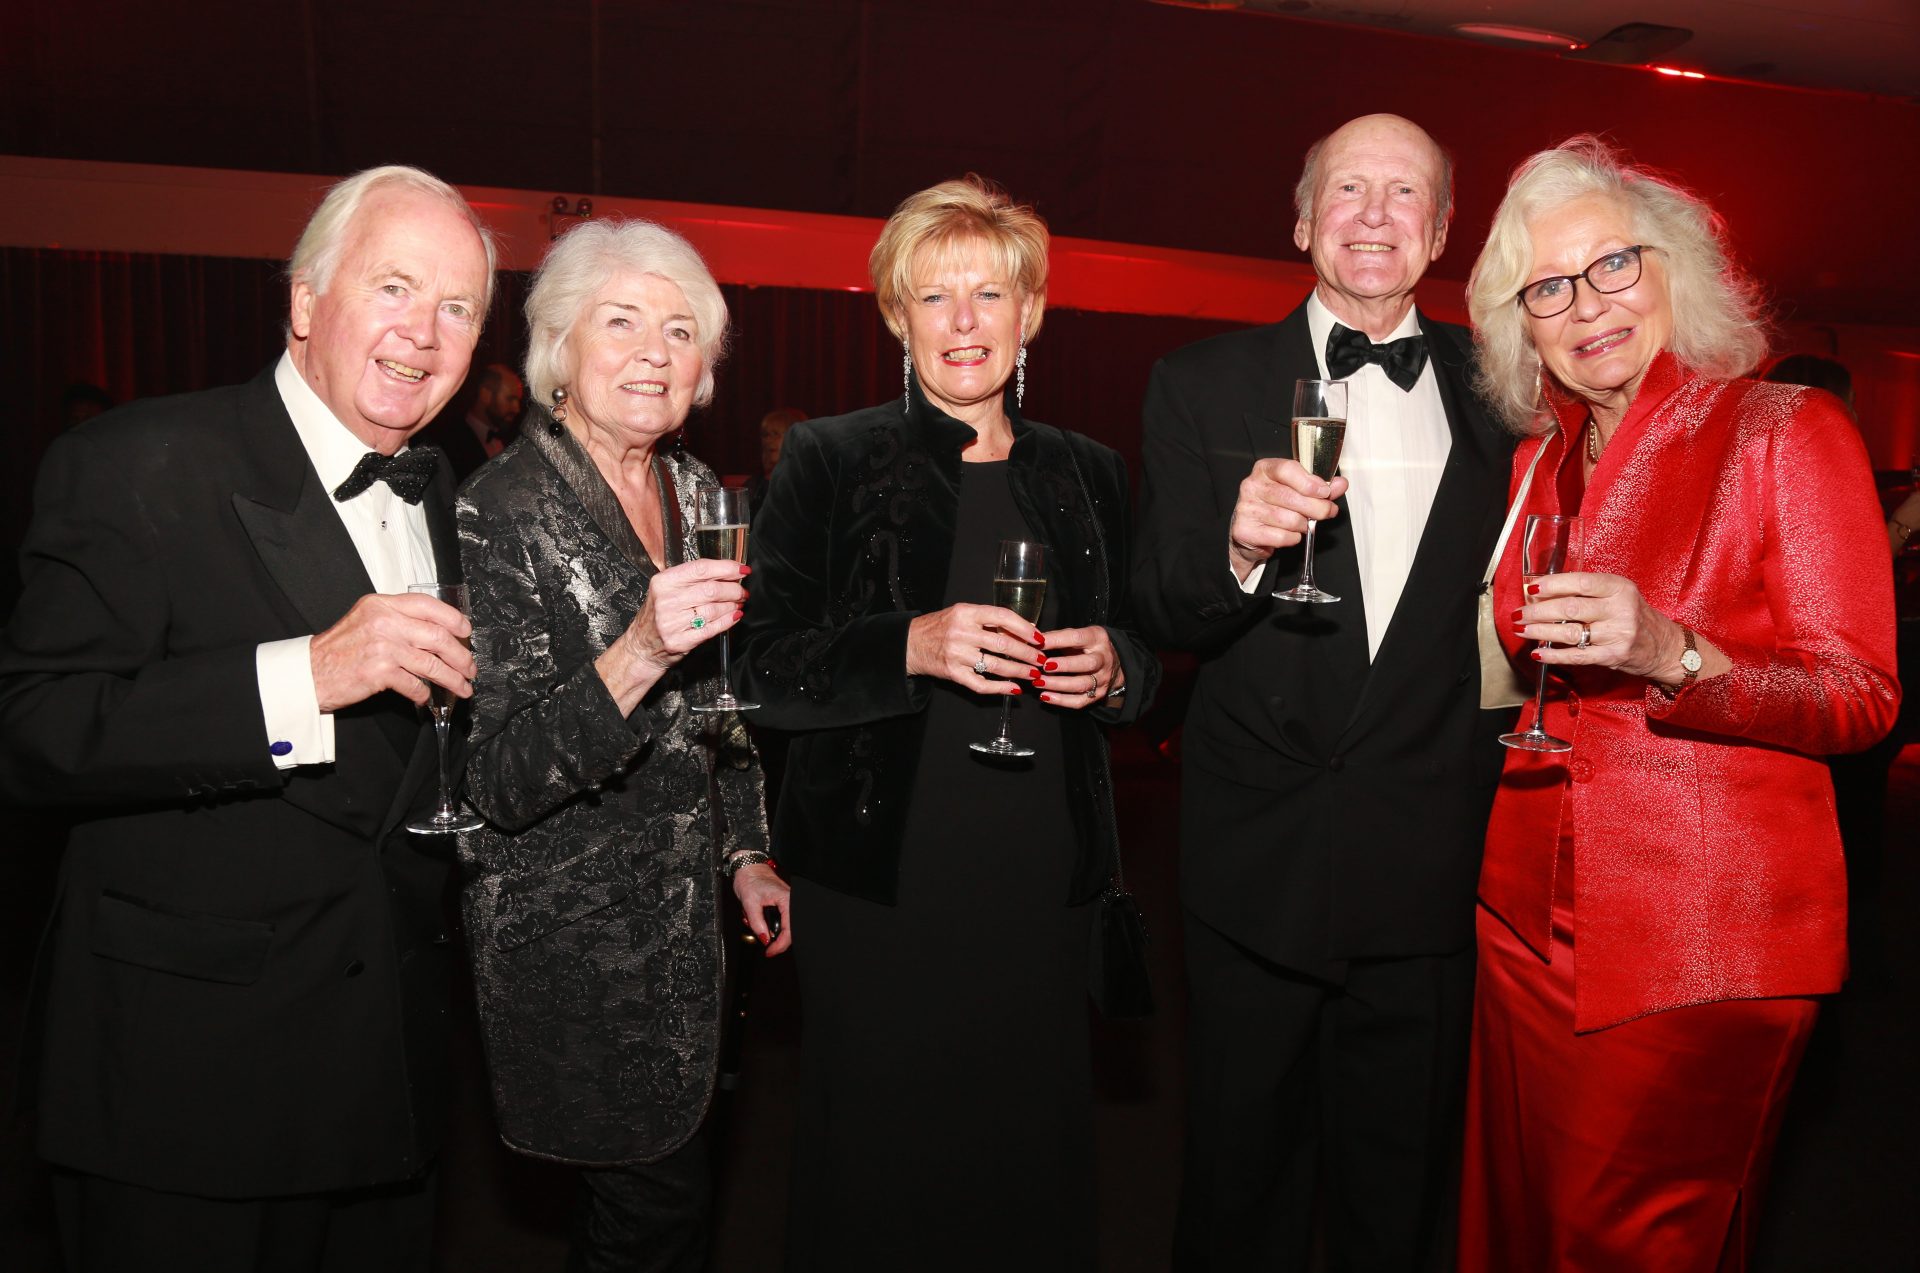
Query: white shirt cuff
[1251, 582]
[298, 732]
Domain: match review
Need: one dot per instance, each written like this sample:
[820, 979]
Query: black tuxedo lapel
[423, 758]
[303, 544]
[1444, 563]
[1341, 624]
[305, 547]
[438, 507]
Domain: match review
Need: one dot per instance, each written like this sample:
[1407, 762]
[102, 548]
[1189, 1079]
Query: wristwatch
[1690, 664]
[1689, 659]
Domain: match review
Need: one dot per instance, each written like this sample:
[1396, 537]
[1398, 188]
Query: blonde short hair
[324, 240]
[944, 219]
[1719, 315]
[579, 264]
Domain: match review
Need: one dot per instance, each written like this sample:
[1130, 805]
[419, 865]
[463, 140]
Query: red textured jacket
[1706, 858]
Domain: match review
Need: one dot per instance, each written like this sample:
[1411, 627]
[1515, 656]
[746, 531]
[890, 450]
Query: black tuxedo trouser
[110, 1227]
[1297, 1086]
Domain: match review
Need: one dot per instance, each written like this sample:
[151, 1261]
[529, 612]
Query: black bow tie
[1403, 360]
[407, 474]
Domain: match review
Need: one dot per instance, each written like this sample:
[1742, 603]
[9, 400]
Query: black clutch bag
[1117, 975]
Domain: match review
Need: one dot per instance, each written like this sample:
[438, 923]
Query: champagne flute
[440, 702]
[1319, 428]
[1019, 585]
[720, 520]
[1549, 545]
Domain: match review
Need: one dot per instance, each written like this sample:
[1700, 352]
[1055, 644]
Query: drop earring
[1020, 371]
[906, 379]
[559, 409]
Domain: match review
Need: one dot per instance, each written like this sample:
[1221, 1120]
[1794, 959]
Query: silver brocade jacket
[591, 898]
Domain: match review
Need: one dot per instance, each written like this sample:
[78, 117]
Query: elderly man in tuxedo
[1337, 768]
[238, 1022]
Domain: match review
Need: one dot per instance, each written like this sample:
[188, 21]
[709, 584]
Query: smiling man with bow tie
[238, 1031]
[1337, 768]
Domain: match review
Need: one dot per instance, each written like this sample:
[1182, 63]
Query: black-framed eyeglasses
[1615, 272]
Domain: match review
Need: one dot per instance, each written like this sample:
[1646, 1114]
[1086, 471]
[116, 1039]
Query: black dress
[945, 1114]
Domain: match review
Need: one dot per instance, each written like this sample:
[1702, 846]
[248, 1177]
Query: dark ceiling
[1859, 46]
[1121, 119]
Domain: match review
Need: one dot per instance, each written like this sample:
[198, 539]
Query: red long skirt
[1641, 1148]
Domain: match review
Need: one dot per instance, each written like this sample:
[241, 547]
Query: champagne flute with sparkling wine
[1019, 585]
[1319, 429]
[1549, 545]
[720, 519]
[447, 817]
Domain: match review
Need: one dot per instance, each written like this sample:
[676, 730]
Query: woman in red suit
[1659, 905]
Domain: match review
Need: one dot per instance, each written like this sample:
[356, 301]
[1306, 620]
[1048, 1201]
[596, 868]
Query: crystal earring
[906, 378]
[1020, 372]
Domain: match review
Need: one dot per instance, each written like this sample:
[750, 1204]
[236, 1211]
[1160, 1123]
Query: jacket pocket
[133, 930]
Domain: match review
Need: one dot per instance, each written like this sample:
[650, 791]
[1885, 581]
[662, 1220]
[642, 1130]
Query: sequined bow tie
[1403, 360]
[406, 474]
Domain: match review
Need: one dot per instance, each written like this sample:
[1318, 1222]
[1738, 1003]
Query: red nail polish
[1534, 655]
[739, 615]
[1033, 673]
[1046, 698]
[1519, 629]
[1052, 666]
[1533, 590]
[1039, 640]
[745, 570]
[1038, 683]
[1014, 687]
[1516, 616]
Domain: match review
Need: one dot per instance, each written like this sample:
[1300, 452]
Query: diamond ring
[980, 668]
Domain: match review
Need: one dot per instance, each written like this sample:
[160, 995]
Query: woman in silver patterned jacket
[613, 811]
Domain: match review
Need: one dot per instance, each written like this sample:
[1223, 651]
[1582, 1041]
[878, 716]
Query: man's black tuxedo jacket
[1331, 809]
[242, 991]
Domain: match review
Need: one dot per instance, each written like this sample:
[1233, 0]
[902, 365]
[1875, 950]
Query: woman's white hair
[1719, 314]
[581, 262]
[317, 254]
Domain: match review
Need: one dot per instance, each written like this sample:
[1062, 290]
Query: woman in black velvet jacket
[941, 899]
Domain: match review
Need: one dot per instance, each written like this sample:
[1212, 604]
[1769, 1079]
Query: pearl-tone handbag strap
[1513, 513]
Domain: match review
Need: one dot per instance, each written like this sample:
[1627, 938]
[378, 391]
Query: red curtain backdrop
[143, 325]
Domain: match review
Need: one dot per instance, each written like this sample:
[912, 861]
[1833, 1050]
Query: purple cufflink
[281, 748]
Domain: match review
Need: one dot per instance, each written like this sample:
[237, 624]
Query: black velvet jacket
[852, 544]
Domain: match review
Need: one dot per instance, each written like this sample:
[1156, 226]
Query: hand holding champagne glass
[1019, 585]
[1549, 545]
[1319, 430]
[721, 517]
[447, 817]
